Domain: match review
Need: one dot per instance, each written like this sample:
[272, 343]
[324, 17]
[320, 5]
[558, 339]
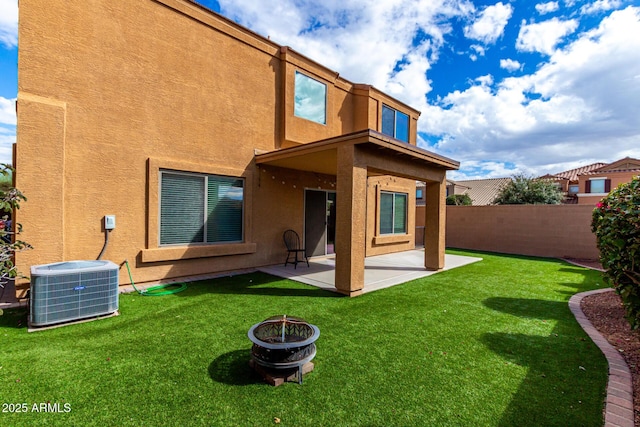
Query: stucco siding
[136, 82]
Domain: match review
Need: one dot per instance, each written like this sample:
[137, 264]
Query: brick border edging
[619, 401]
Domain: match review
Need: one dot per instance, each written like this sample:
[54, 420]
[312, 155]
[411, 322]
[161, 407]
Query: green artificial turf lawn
[489, 344]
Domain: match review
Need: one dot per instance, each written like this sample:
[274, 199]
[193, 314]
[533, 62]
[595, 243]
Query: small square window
[597, 186]
[393, 213]
[310, 99]
[395, 123]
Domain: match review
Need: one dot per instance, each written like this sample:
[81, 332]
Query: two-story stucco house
[595, 184]
[206, 142]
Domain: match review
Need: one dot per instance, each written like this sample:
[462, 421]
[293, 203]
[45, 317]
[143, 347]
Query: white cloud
[584, 97]
[472, 169]
[600, 6]
[581, 104]
[510, 65]
[400, 39]
[490, 23]
[339, 33]
[486, 80]
[7, 138]
[480, 50]
[544, 8]
[410, 83]
[9, 23]
[544, 36]
[7, 111]
[7, 128]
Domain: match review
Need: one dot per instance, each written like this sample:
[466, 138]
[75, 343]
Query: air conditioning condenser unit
[72, 290]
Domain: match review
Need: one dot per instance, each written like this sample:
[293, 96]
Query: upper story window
[395, 123]
[310, 99]
[198, 208]
[598, 186]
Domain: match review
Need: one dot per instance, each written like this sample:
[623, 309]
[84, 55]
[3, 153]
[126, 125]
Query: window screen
[197, 208]
[393, 213]
[395, 124]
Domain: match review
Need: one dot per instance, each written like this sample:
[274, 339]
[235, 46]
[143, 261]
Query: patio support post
[351, 208]
[435, 212]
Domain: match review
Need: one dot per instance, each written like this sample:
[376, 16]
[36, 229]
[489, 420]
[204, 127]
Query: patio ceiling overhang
[322, 156]
[352, 158]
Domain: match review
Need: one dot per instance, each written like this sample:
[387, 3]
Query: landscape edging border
[619, 401]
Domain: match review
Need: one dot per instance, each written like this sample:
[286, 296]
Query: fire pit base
[276, 377]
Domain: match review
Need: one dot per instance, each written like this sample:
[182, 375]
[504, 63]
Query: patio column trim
[435, 212]
[351, 211]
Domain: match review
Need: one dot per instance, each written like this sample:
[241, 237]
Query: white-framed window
[310, 99]
[395, 123]
[199, 208]
[393, 212]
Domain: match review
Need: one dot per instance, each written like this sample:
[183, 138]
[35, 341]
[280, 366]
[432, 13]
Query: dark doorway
[319, 222]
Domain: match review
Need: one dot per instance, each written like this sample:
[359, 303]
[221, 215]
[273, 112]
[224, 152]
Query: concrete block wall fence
[562, 231]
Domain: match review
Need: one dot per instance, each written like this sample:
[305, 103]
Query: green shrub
[524, 190]
[10, 199]
[459, 200]
[616, 224]
[6, 178]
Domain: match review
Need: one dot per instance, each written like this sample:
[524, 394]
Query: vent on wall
[73, 290]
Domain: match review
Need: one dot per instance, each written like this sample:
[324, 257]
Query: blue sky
[504, 87]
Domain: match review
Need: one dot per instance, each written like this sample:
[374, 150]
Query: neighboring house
[597, 183]
[421, 194]
[569, 183]
[206, 141]
[589, 184]
[481, 191]
[454, 188]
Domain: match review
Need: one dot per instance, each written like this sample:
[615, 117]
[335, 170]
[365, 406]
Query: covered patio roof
[322, 156]
[352, 158]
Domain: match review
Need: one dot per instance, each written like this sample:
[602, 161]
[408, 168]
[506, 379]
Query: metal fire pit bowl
[282, 342]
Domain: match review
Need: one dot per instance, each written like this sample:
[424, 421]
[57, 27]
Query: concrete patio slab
[381, 271]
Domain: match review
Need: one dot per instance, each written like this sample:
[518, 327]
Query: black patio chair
[292, 242]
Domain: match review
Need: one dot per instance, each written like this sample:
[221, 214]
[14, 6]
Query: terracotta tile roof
[599, 172]
[572, 174]
[483, 191]
[627, 164]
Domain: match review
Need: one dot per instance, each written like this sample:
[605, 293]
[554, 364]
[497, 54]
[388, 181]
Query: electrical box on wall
[109, 222]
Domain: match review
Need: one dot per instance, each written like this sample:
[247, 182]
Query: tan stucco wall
[538, 230]
[134, 81]
[110, 92]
